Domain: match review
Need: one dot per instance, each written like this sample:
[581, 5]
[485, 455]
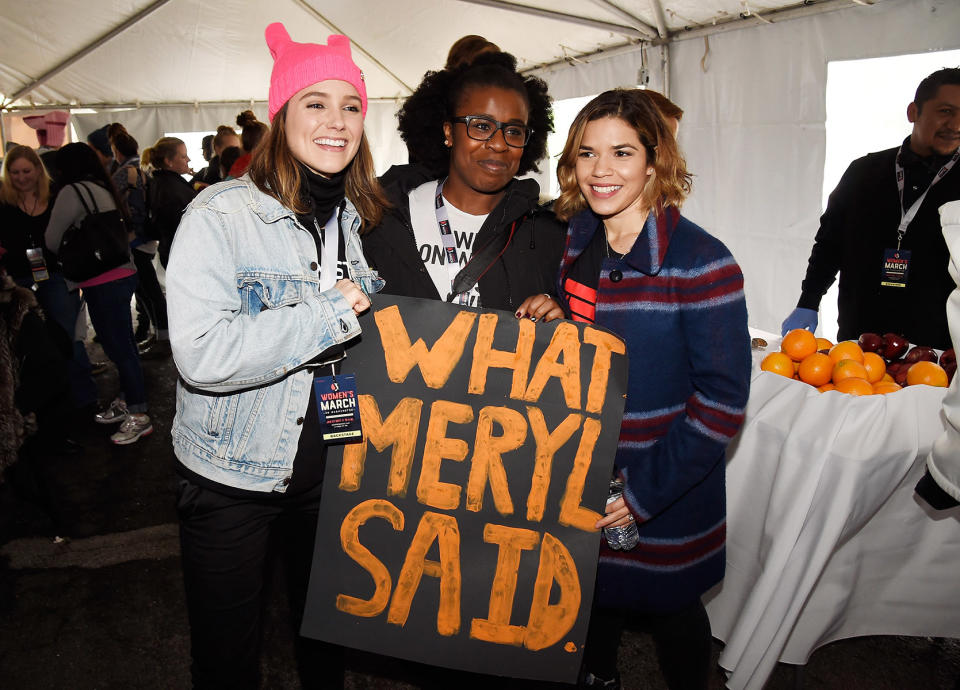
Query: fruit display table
[825, 537]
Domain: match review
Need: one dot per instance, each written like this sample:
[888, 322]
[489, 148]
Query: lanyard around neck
[906, 217]
[329, 246]
[449, 244]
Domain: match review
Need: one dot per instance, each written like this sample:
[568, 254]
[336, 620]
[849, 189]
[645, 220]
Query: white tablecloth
[825, 538]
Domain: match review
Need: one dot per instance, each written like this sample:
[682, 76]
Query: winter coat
[677, 301]
[169, 195]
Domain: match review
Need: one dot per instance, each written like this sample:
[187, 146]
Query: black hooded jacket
[510, 269]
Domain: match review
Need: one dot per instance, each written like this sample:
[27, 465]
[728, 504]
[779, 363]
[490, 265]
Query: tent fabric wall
[753, 131]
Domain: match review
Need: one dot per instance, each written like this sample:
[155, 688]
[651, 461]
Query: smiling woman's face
[324, 125]
[484, 167]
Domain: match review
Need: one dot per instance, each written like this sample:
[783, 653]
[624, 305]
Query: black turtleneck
[322, 195]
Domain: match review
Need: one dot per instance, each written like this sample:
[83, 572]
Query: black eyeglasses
[482, 128]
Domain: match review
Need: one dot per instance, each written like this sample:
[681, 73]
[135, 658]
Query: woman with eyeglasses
[462, 227]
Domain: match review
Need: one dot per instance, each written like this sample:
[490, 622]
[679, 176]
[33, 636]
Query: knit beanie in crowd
[298, 65]
[99, 140]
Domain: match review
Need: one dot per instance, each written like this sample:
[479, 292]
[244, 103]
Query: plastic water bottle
[620, 538]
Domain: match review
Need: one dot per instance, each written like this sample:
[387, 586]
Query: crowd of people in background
[40, 200]
[613, 249]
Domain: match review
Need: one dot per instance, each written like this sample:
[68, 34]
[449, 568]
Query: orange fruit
[927, 373]
[848, 369]
[854, 386]
[816, 369]
[848, 349]
[886, 378]
[874, 365]
[799, 344]
[823, 344]
[884, 387]
[826, 387]
[778, 363]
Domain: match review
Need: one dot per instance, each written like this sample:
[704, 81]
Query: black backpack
[98, 244]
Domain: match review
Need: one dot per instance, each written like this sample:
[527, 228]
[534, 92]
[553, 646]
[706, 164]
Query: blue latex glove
[799, 318]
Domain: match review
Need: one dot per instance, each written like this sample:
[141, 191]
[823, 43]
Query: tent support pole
[42, 79]
[317, 15]
[630, 19]
[771, 17]
[562, 16]
[658, 17]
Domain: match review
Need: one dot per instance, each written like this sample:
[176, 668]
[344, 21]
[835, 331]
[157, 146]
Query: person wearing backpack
[86, 189]
[131, 185]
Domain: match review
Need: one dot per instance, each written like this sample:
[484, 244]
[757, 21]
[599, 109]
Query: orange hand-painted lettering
[486, 465]
[444, 530]
[496, 626]
[565, 342]
[485, 357]
[350, 541]
[435, 364]
[437, 447]
[399, 430]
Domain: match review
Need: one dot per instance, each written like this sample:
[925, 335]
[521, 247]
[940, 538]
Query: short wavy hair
[670, 183]
[436, 99]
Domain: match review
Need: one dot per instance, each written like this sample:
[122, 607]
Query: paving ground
[105, 609]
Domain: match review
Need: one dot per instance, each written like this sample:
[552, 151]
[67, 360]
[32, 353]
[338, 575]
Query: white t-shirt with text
[426, 230]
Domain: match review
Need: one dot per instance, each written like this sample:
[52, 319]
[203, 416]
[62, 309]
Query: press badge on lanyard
[896, 262]
[37, 264]
[336, 397]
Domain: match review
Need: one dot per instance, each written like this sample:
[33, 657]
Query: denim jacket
[245, 315]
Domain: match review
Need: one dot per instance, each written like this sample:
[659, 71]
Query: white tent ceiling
[96, 52]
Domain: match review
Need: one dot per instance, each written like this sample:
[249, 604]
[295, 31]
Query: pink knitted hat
[298, 65]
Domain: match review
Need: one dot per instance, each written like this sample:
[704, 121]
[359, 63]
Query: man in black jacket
[881, 230]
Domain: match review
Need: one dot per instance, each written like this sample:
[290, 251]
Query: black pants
[225, 542]
[682, 641]
[149, 293]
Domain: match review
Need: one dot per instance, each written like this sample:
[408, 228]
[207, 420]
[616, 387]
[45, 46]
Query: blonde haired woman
[25, 205]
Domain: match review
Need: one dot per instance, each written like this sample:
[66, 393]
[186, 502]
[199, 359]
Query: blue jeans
[109, 308]
[62, 306]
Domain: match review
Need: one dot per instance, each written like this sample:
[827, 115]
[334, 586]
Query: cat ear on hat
[277, 38]
[339, 43]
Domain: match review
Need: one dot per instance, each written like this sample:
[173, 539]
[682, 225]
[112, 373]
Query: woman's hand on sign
[540, 307]
[617, 515]
[356, 298]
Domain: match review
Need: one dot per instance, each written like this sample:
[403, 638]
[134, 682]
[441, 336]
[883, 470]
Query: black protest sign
[459, 532]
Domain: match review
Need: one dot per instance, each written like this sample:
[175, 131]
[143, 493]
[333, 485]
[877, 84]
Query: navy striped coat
[680, 307]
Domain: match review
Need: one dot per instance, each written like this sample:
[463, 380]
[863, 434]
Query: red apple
[894, 346]
[898, 364]
[921, 353]
[870, 342]
[901, 376]
[951, 369]
[948, 357]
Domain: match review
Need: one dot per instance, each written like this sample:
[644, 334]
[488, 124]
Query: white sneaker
[117, 412]
[133, 428]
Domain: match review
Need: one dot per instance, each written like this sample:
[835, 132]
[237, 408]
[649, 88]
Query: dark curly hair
[436, 99]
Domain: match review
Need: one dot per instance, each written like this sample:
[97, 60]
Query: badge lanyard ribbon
[906, 217]
[449, 242]
[329, 236]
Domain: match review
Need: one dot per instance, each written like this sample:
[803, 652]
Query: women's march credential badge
[337, 407]
[896, 266]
